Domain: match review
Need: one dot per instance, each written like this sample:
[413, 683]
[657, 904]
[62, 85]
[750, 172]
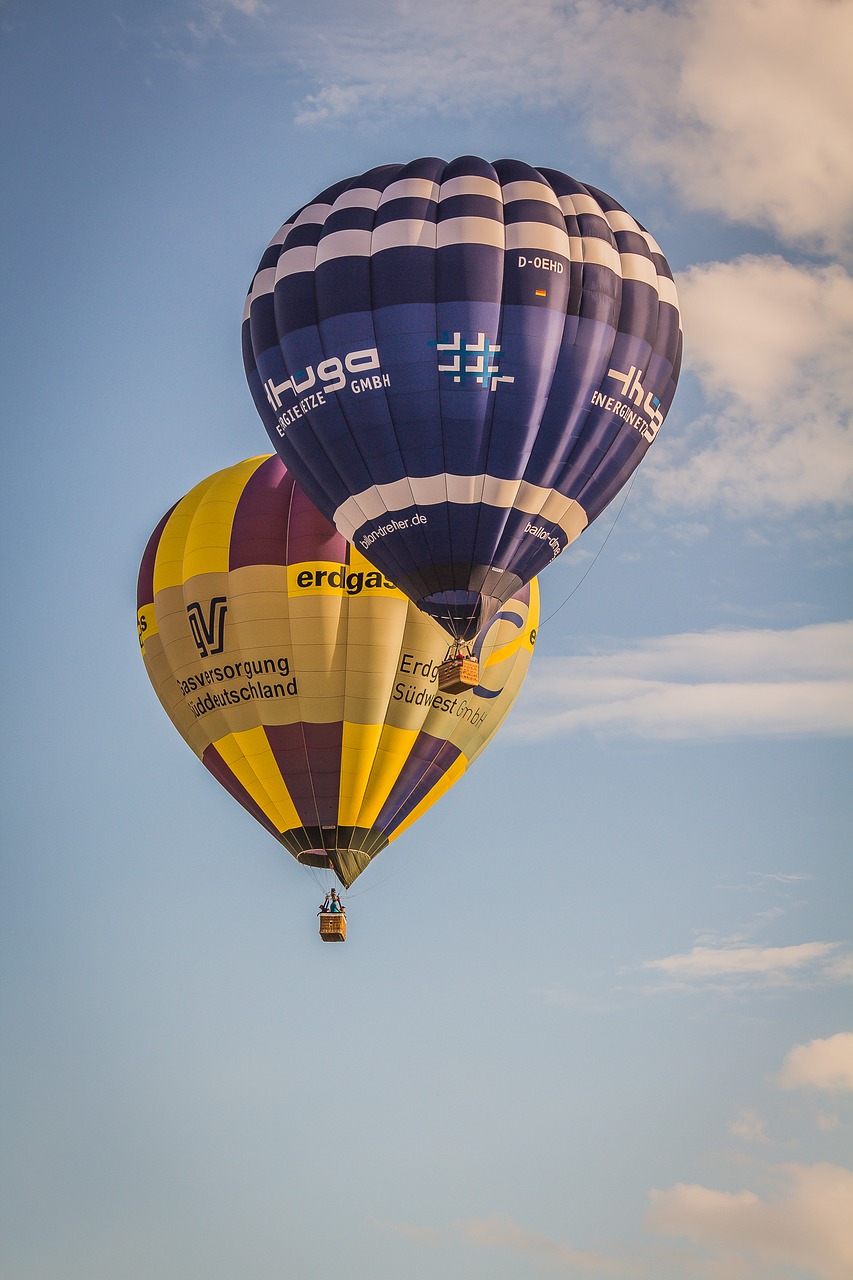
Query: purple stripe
[428, 761]
[213, 761]
[145, 581]
[309, 760]
[275, 523]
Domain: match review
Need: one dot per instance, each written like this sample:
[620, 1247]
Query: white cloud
[824, 1064]
[745, 106]
[807, 1223]
[711, 685]
[740, 968]
[770, 343]
[749, 111]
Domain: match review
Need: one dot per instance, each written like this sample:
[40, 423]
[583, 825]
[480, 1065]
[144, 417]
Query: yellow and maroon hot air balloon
[302, 678]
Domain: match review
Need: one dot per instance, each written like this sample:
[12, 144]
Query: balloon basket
[456, 675]
[333, 926]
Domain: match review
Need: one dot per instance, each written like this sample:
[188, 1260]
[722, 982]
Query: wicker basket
[458, 674]
[333, 926]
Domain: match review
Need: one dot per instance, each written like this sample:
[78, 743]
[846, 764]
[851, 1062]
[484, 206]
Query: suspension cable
[594, 558]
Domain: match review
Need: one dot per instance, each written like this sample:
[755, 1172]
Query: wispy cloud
[770, 343]
[804, 1223]
[749, 1127]
[736, 967]
[744, 106]
[759, 880]
[709, 685]
[499, 1231]
[409, 1231]
[823, 1064]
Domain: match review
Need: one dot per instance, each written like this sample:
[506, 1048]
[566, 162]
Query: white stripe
[429, 490]
[358, 198]
[530, 191]
[344, 244]
[280, 235]
[600, 253]
[388, 499]
[580, 203]
[500, 493]
[619, 220]
[470, 231]
[636, 267]
[407, 231]
[537, 235]
[465, 490]
[410, 188]
[667, 291]
[263, 283]
[292, 261]
[313, 213]
[471, 186]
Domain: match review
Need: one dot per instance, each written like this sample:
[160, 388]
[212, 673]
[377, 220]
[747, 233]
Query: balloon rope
[595, 557]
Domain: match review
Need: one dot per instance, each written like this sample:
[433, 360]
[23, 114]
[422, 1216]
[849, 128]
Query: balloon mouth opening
[344, 850]
[460, 613]
[315, 858]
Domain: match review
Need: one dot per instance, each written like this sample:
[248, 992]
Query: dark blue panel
[406, 208]
[472, 206]
[405, 275]
[469, 273]
[341, 286]
[533, 211]
[295, 302]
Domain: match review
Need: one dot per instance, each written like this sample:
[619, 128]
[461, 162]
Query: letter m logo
[208, 632]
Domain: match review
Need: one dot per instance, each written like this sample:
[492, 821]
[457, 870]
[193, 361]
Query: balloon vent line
[595, 557]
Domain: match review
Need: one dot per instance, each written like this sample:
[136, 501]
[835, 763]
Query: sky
[594, 1017]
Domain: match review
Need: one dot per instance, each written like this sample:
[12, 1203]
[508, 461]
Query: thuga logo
[633, 390]
[208, 631]
[332, 375]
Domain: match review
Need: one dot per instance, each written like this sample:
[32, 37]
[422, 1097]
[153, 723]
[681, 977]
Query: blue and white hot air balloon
[462, 364]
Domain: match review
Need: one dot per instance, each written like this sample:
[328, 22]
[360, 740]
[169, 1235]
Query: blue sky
[594, 1015]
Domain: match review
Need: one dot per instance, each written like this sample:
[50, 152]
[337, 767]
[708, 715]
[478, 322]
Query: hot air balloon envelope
[462, 364]
[300, 675]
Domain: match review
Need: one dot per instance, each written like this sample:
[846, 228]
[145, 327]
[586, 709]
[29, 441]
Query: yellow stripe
[209, 535]
[169, 562]
[146, 624]
[250, 758]
[454, 773]
[392, 752]
[532, 615]
[358, 752]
